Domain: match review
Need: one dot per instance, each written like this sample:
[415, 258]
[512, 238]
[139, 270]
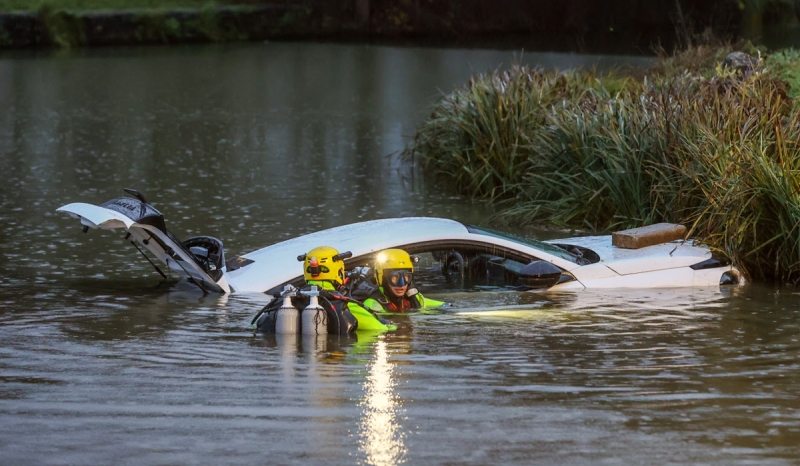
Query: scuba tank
[314, 318]
[288, 318]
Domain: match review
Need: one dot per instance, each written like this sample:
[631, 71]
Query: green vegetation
[688, 142]
[208, 23]
[87, 5]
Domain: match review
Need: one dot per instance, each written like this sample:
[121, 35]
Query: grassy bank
[105, 5]
[79, 23]
[688, 142]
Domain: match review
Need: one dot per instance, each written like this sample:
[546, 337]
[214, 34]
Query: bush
[710, 148]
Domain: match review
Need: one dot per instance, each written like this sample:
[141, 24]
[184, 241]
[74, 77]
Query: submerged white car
[457, 251]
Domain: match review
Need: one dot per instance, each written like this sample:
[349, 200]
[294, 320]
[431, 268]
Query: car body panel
[658, 266]
[661, 265]
[165, 248]
[363, 239]
[665, 278]
[94, 216]
[629, 261]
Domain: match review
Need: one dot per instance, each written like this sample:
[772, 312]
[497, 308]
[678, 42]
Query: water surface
[102, 362]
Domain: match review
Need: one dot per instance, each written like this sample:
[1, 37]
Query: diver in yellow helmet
[323, 267]
[394, 275]
[324, 263]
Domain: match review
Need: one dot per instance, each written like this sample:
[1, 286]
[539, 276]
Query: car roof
[278, 264]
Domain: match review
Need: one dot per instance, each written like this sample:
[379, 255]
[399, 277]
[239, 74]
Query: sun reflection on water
[381, 437]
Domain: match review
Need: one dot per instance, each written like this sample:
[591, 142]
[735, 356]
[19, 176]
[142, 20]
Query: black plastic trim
[237, 263]
[712, 263]
[137, 211]
[729, 278]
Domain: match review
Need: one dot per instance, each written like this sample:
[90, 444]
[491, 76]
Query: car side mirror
[539, 274]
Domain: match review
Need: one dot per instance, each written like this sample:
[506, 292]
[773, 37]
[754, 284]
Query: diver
[394, 274]
[323, 268]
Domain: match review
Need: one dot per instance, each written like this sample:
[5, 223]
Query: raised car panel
[94, 216]
[163, 247]
[178, 260]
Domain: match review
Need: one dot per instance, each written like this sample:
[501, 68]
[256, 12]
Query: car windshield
[540, 245]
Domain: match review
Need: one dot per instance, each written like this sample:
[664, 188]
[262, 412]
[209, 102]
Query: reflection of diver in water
[304, 356]
[296, 344]
[381, 435]
[304, 370]
[323, 304]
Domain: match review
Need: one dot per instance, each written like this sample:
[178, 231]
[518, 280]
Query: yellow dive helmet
[395, 265]
[324, 263]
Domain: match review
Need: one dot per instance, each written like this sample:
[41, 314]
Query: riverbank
[70, 28]
[618, 26]
[690, 141]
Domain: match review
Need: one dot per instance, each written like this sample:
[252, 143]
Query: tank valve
[288, 318]
[314, 319]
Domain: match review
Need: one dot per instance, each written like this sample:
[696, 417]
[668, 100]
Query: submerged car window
[540, 245]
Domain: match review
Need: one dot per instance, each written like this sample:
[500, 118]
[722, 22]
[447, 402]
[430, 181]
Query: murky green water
[101, 363]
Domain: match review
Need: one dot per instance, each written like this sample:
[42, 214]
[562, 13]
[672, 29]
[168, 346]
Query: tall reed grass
[709, 148]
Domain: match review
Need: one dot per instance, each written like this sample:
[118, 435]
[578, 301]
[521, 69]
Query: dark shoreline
[512, 24]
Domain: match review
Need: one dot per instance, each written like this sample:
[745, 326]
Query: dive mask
[399, 277]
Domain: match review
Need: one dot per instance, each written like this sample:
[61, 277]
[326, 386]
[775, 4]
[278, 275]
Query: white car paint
[277, 264]
[658, 266]
[180, 262]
